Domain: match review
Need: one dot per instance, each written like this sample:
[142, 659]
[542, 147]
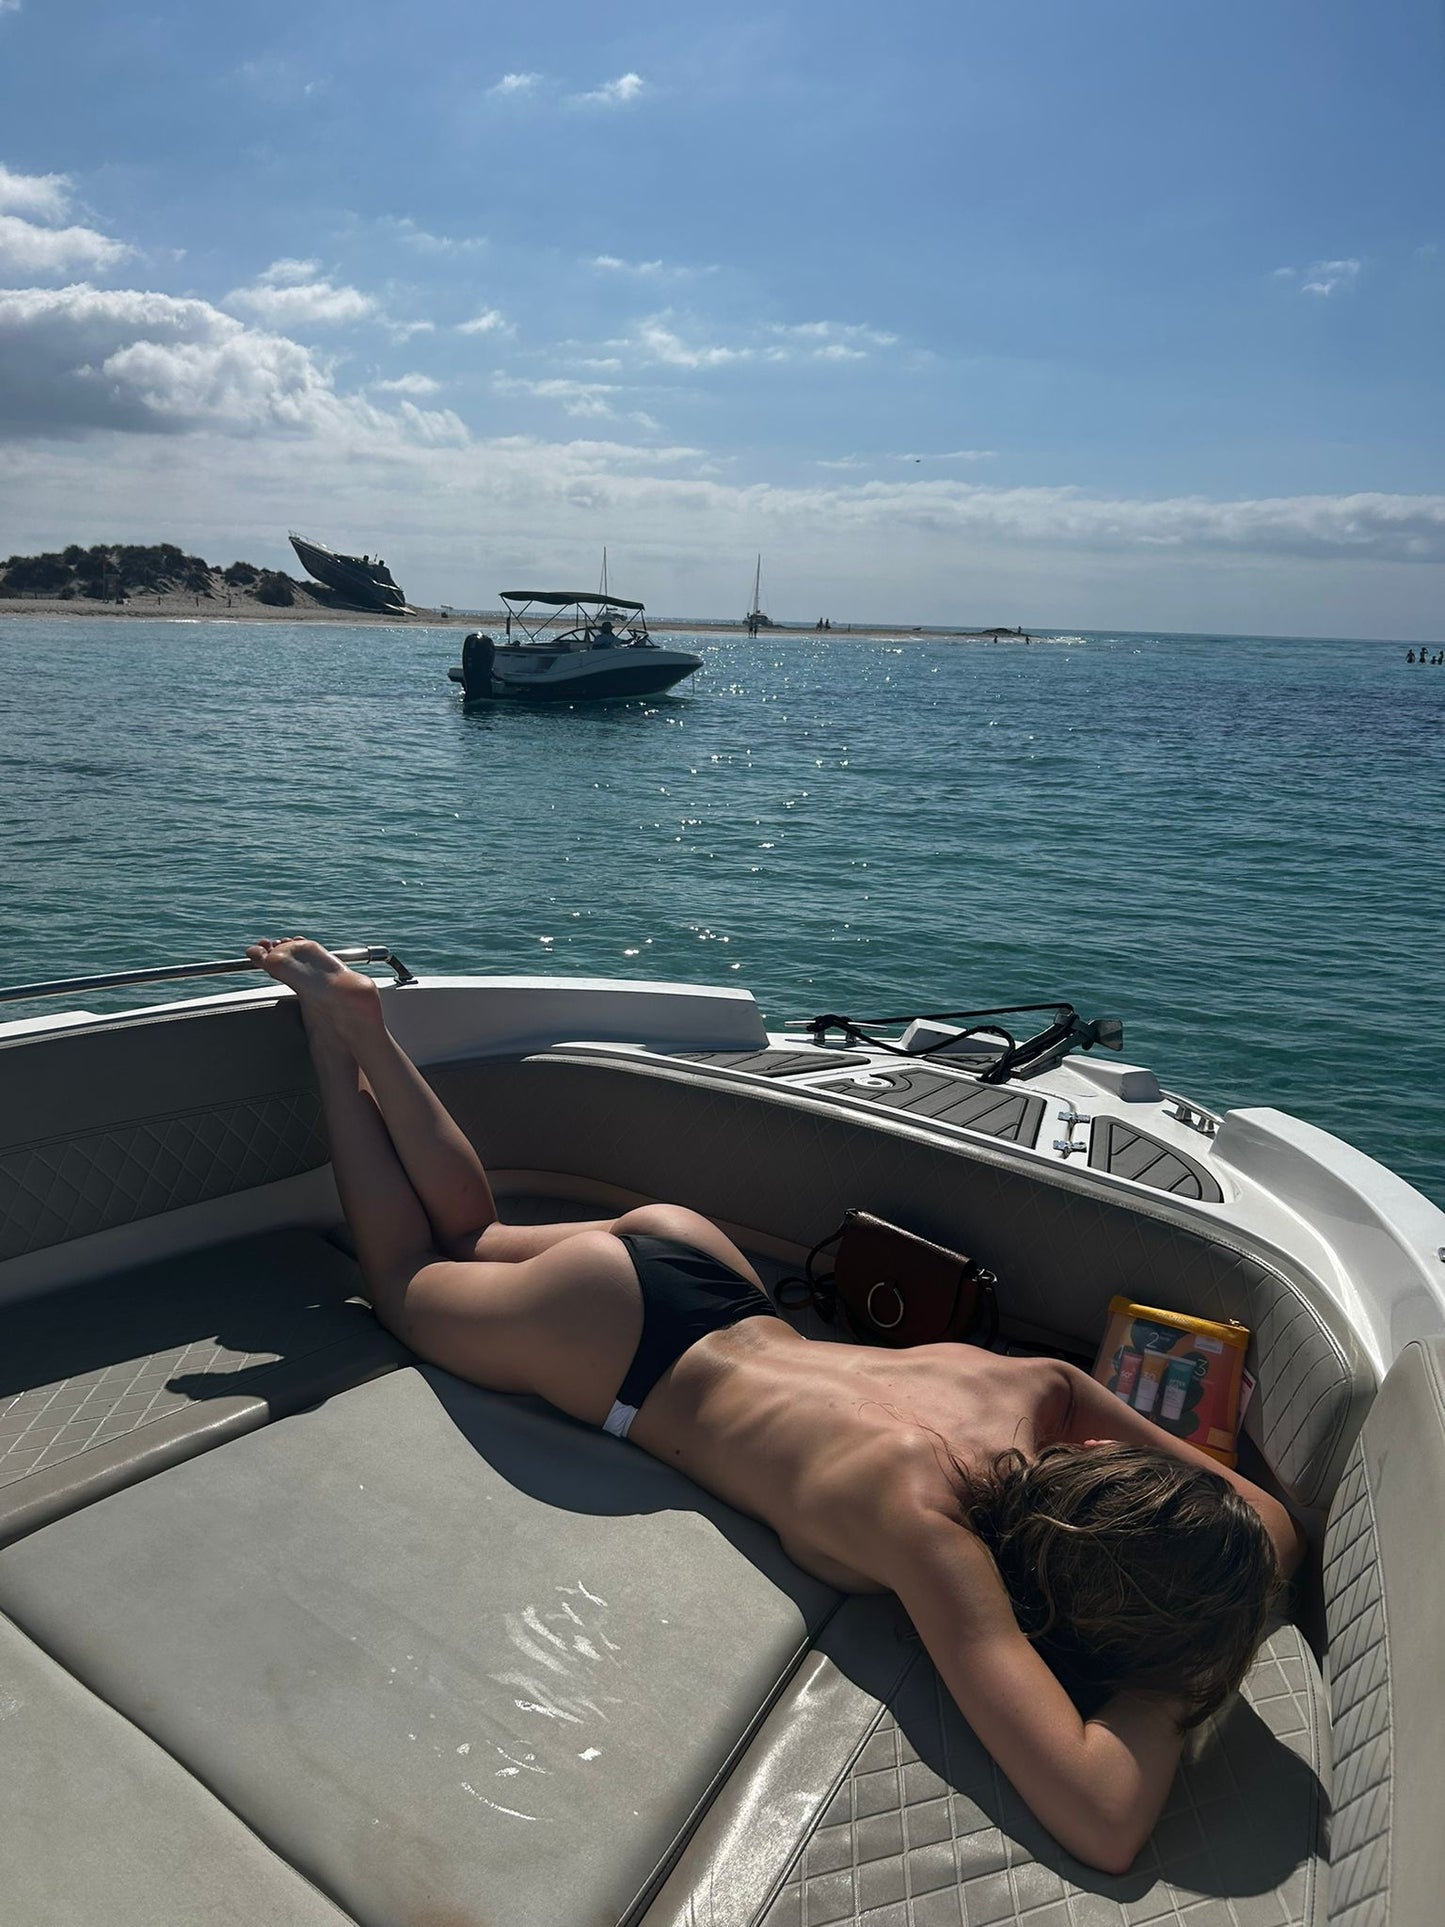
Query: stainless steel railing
[177, 973]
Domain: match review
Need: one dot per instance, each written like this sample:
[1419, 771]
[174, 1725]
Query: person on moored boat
[1037, 1530]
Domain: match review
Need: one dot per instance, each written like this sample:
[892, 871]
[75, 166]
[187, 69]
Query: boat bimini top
[532, 619]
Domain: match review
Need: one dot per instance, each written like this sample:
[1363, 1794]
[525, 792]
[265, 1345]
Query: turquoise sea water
[1235, 844]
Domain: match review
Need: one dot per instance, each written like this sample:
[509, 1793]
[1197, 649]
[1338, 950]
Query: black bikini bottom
[686, 1294]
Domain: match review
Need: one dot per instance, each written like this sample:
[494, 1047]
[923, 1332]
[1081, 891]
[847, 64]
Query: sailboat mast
[755, 613]
[602, 585]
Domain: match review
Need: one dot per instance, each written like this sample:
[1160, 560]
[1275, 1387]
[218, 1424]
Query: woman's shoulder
[928, 1552]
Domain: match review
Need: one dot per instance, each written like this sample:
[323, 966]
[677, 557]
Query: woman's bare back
[826, 1442]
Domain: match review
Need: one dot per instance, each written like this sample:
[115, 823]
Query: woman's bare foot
[342, 999]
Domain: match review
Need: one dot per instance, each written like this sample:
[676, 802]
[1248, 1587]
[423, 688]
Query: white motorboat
[294, 1627]
[563, 645]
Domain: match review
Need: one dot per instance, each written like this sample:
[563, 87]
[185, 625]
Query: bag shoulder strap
[805, 1289]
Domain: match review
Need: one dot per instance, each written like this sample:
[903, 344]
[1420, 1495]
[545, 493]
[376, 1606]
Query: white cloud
[292, 293]
[1330, 277]
[588, 454]
[281, 80]
[36, 246]
[404, 229]
[490, 321]
[894, 548]
[1322, 278]
[9, 6]
[909, 455]
[288, 272]
[31, 250]
[79, 359]
[47, 196]
[614, 264]
[658, 339]
[512, 84]
[831, 340]
[647, 270]
[948, 455]
[614, 93]
[407, 385]
[655, 340]
[584, 398]
[1373, 526]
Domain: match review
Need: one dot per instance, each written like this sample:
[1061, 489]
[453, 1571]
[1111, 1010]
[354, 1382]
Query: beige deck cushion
[105, 1382]
[101, 1828]
[866, 1801]
[453, 1656]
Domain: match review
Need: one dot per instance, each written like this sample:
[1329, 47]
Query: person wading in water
[1036, 1530]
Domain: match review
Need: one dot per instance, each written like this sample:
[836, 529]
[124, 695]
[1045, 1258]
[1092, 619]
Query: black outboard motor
[477, 653]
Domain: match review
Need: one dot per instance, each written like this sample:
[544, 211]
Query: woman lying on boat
[1035, 1528]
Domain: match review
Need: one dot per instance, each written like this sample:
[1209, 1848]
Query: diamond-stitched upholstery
[1384, 1576]
[926, 1832]
[75, 1186]
[145, 1343]
[790, 1166]
[128, 1117]
[1359, 1658]
[866, 1801]
[103, 1382]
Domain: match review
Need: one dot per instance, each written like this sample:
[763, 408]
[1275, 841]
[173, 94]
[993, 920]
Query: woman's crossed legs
[551, 1309]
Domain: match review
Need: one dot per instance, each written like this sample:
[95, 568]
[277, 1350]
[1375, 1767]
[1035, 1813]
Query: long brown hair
[1128, 1569]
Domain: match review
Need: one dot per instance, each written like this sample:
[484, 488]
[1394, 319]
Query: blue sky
[1069, 312]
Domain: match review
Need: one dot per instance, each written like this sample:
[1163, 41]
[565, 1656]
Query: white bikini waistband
[619, 1420]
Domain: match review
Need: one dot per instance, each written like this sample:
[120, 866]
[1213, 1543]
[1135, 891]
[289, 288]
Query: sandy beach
[238, 605]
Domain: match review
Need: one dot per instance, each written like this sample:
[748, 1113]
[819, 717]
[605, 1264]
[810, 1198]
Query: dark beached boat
[354, 578]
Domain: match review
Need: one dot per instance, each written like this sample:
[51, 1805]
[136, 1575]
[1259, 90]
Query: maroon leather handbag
[896, 1288]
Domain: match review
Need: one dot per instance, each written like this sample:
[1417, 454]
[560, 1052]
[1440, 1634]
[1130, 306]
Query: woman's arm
[1098, 1785]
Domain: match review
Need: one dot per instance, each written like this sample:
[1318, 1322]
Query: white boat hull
[569, 676]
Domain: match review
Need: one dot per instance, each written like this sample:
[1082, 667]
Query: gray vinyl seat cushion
[107, 1381]
[103, 1829]
[451, 1655]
